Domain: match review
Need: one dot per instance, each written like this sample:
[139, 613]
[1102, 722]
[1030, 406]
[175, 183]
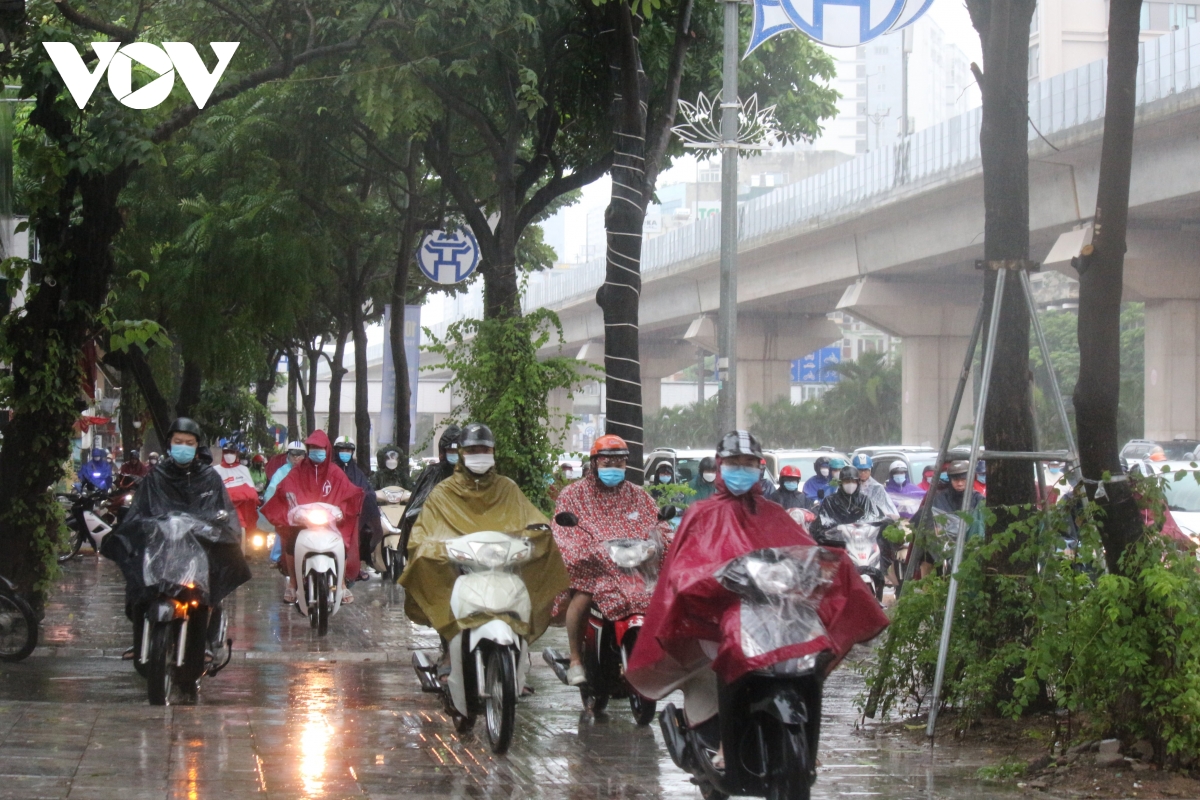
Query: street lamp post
[727, 315]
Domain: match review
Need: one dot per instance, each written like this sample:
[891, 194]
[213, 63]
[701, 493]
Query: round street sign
[449, 256]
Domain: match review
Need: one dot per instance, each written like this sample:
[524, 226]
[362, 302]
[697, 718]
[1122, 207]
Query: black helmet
[185, 425]
[820, 462]
[476, 434]
[848, 473]
[449, 438]
[739, 443]
[708, 464]
[958, 468]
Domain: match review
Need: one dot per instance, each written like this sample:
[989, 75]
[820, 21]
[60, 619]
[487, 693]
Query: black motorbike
[18, 625]
[181, 635]
[91, 514]
[768, 722]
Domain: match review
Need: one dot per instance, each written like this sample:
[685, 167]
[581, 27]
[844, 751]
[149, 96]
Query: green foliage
[683, 427]
[1007, 770]
[224, 409]
[501, 382]
[1060, 634]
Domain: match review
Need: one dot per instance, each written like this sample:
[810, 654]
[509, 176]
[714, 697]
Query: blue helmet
[862, 461]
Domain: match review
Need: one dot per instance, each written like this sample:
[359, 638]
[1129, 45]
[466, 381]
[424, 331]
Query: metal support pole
[989, 352]
[727, 317]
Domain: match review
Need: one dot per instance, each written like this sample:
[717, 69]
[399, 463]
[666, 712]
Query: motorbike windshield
[781, 589]
[174, 558]
[636, 558]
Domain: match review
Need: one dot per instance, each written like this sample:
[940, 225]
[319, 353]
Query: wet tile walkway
[294, 716]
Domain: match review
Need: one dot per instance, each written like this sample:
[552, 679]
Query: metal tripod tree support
[1070, 455]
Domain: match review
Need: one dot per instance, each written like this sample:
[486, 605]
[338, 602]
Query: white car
[1183, 495]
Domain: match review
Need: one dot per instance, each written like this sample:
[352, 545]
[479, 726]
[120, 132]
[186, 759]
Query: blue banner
[818, 366]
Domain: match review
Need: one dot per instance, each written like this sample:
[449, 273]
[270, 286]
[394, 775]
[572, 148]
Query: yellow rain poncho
[467, 503]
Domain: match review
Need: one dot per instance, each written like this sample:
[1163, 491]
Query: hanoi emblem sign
[448, 257]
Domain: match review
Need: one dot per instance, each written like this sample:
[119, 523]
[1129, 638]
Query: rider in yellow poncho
[476, 499]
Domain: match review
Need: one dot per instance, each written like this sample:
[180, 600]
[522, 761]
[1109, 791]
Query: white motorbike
[393, 502]
[320, 562]
[488, 663]
[861, 541]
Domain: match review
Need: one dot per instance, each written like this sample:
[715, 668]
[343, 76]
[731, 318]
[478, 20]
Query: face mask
[709, 477]
[344, 456]
[899, 477]
[791, 486]
[610, 476]
[824, 472]
[479, 463]
[452, 458]
[392, 463]
[664, 478]
[982, 479]
[317, 456]
[739, 480]
[183, 453]
[849, 487]
[230, 458]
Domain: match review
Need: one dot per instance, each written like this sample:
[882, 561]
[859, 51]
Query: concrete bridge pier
[767, 346]
[934, 321]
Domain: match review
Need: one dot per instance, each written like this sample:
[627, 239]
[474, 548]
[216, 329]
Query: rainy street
[297, 717]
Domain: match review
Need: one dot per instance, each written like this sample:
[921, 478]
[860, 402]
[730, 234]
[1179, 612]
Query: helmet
[848, 473]
[862, 461]
[837, 463]
[820, 462]
[790, 472]
[708, 464]
[739, 443]
[185, 425]
[259, 458]
[900, 466]
[610, 445]
[297, 447]
[449, 438]
[981, 468]
[343, 443]
[958, 468]
[476, 434]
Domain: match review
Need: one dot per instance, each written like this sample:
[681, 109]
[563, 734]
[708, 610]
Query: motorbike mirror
[667, 513]
[222, 515]
[566, 519]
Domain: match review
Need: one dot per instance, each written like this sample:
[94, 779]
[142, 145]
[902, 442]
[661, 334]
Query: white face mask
[479, 463]
[849, 488]
[824, 472]
[392, 463]
[231, 458]
[709, 477]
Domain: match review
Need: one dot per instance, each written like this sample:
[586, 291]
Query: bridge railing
[1169, 64]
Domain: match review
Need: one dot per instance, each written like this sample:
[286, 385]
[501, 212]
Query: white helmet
[296, 446]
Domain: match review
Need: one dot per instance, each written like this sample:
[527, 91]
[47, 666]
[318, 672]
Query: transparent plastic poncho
[781, 589]
[637, 558]
[175, 557]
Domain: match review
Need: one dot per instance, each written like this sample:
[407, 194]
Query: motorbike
[488, 663]
[92, 515]
[18, 625]
[768, 720]
[392, 503]
[608, 643]
[320, 562]
[861, 542]
[179, 625]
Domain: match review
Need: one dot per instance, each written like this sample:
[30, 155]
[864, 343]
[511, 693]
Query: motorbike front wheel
[324, 603]
[69, 548]
[643, 709]
[594, 701]
[787, 762]
[161, 663]
[500, 708]
[395, 564]
[18, 627]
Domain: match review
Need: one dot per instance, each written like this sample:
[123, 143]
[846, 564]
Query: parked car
[1138, 452]
[886, 456]
[802, 459]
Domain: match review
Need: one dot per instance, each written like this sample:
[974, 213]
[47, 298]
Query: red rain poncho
[240, 487]
[689, 605]
[320, 483]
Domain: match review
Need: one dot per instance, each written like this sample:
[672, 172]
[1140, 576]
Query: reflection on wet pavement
[298, 717]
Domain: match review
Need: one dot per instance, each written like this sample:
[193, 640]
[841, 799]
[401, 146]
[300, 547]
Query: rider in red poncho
[316, 480]
[692, 631]
[240, 487]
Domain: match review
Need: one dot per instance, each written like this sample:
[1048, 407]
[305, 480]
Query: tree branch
[560, 186]
[440, 160]
[658, 135]
[124, 35]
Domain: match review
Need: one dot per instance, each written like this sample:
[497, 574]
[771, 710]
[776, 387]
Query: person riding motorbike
[848, 505]
[476, 498]
[872, 488]
[663, 482]
[905, 494]
[96, 474]
[429, 478]
[292, 456]
[980, 484]
[370, 529]
[258, 471]
[316, 480]
[926, 479]
[152, 460]
[789, 493]
[684, 643]
[239, 484]
[705, 482]
[388, 470]
[816, 487]
[939, 514]
[607, 507]
[180, 483]
[134, 465]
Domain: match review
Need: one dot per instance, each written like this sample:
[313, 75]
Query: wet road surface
[294, 716]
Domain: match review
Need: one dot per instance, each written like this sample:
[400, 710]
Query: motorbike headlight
[127, 500]
[392, 497]
[774, 579]
[492, 555]
[316, 518]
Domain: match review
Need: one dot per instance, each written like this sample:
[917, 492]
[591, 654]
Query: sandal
[128, 655]
[347, 598]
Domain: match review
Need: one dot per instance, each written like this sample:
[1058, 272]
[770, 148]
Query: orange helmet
[790, 472]
[610, 445]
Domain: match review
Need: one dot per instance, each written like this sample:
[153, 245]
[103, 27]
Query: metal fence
[1167, 65]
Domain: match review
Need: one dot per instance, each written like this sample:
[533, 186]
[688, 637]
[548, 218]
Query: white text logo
[118, 61]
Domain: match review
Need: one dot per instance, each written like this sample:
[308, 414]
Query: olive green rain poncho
[467, 503]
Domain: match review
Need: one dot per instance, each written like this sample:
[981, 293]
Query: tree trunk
[402, 426]
[623, 219]
[293, 415]
[362, 411]
[309, 394]
[1097, 392]
[189, 388]
[131, 437]
[1003, 27]
[333, 424]
[263, 387]
[134, 362]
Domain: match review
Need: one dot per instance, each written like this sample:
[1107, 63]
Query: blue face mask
[183, 454]
[791, 486]
[317, 456]
[610, 476]
[452, 458]
[982, 479]
[344, 456]
[739, 480]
